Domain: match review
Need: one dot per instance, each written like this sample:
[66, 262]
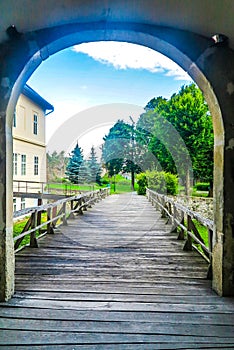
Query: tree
[94, 167]
[84, 173]
[187, 114]
[119, 151]
[74, 165]
[115, 147]
[56, 165]
[156, 103]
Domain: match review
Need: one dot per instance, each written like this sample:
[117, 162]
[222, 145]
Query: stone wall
[201, 205]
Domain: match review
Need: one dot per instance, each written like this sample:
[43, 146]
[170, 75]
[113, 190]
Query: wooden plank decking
[114, 278]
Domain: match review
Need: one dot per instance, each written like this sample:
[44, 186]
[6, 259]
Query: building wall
[29, 150]
[25, 111]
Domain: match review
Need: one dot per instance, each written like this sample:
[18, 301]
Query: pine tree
[84, 173]
[94, 167]
[74, 164]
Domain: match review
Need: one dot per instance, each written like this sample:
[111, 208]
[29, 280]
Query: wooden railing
[45, 218]
[29, 187]
[184, 221]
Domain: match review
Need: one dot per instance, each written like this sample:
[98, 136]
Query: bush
[105, 181]
[162, 182]
[171, 183]
[202, 186]
[142, 183]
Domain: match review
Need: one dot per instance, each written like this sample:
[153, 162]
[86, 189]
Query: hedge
[159, 181]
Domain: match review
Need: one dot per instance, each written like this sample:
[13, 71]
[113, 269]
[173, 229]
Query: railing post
[174, 217]
[39, 202]
[169, 219]
[64, 214]
[71, 215]
[49, 224]
[188, 244]
[210, 239]
[33, 239]
[163, 212]
[181, 232]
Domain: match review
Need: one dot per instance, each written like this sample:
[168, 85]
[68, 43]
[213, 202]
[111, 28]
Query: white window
[22, 203]
[23, 164]
[35, 124]
[36, 164]
[14, 204]
[15, 163]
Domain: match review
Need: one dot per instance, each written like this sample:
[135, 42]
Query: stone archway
[210, 64]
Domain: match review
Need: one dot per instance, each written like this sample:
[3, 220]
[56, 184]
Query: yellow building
[29, 146]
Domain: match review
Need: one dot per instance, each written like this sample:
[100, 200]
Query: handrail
[183, 218]
[56, 212]
[28, 186]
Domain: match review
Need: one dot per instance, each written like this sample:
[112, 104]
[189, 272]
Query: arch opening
[169, 46]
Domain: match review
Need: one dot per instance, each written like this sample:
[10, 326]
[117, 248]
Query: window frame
[22, 203]
[36, 166]
[14, 204]
[23, 164]
[35, 124]
[15, 164]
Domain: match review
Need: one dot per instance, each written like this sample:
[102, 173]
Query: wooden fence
[21, 188]
[184, 221]
[44, 218]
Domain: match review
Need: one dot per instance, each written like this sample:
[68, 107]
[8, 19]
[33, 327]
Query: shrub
[171, 183]
[202, 186]
[105, 181]
[156, 181]
[162, 182]
[142, 183]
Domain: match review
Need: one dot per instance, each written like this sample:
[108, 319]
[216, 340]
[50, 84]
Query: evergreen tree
[74, 164]
[84, 174]
[94, 167]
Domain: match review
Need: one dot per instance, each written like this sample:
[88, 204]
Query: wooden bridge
[114, 278]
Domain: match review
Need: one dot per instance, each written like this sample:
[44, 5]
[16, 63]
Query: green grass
[19, 225]
[196, 193]
[72, 187]
[203, 232]
[121, 187]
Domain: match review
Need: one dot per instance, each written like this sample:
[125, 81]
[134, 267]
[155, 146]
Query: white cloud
[124, 55]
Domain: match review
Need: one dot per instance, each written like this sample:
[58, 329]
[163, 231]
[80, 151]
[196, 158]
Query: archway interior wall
[186, 53]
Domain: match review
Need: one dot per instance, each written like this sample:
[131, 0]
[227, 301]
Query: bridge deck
[114, 278]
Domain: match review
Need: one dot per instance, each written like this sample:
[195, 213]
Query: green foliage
[162, 182]
[56, 165]
[115, 147]
[142, 183]
[121, 151]
[118, 183]
[184, 116]
[171, 183]
[202, 186]
[94, 168]
[74, 164]
[84, 173]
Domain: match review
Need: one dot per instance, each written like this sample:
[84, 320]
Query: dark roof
[36, 98]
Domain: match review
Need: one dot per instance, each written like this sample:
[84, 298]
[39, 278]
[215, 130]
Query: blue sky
[106, 73]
